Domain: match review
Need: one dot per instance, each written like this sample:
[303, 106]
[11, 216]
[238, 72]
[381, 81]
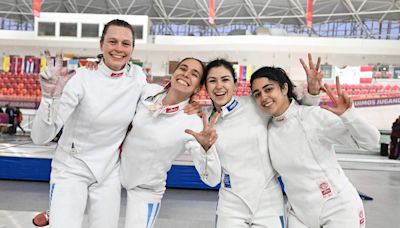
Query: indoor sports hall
[358, 41]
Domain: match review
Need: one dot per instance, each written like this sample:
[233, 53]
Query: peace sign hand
[341, 103]
[54, 78]
[208, 135]
[314, 75]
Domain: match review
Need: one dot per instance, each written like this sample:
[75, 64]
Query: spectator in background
[1, 110]
[395, 140]
[11, 119]
[18, 119]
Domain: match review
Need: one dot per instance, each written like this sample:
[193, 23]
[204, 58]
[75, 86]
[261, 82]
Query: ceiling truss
[228, 12]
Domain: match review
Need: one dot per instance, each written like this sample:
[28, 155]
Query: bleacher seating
[356, 91]
[20, 87]
[26, 87]
[366, 91]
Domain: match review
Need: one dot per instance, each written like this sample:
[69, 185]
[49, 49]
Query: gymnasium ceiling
[228, 12]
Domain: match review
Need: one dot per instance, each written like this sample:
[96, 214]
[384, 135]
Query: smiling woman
[85, 167]
[160, 116]
[319, 193]
[186, 78]
[117, 43]
[250, 195]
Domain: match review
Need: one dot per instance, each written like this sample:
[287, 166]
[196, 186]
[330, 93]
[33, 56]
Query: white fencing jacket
[243, 151]
[157, 138]
[301, 148]
[95, 109]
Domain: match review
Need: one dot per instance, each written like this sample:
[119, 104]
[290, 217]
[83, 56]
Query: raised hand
[54, 78]
[208, 135]
[314, 75]
[340, 103]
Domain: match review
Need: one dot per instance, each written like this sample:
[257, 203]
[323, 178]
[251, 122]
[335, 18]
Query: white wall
[381, 117]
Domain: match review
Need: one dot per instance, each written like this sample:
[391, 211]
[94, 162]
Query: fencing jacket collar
[154, 104]
[287, 114]
[228, 108]
[111, 73]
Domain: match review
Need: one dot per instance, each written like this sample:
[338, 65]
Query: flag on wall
[244, 72]
[43, 63]
[28, 66]
[6, 64]
[249, 72]
[13, 63]
[20, 64]
[36, 65]
[211, 12]
[309, 16]
[36, 8]
[366, 73]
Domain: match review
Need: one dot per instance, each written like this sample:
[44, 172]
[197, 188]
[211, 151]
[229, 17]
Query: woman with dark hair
[300, 141]
[250, 195]
[158, 137]
[95, 108]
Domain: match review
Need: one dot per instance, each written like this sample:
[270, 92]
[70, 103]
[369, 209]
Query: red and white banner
[36, 8]
[366, 74]
[309, 16]
[211, 12]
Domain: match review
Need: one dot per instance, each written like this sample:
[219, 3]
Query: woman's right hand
[208, 135]
[54, 78]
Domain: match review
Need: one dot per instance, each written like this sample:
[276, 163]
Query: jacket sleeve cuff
[48, 109]
[309, 99]
[349, 115]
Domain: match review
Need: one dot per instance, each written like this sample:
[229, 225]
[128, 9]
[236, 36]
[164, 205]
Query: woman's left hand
[340, 103]
[208, 135]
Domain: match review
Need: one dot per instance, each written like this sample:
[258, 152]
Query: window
[68, 29]
[138, 31]
[90, 30]
[47, 29]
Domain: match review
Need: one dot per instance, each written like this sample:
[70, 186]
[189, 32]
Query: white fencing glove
[54, 78]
